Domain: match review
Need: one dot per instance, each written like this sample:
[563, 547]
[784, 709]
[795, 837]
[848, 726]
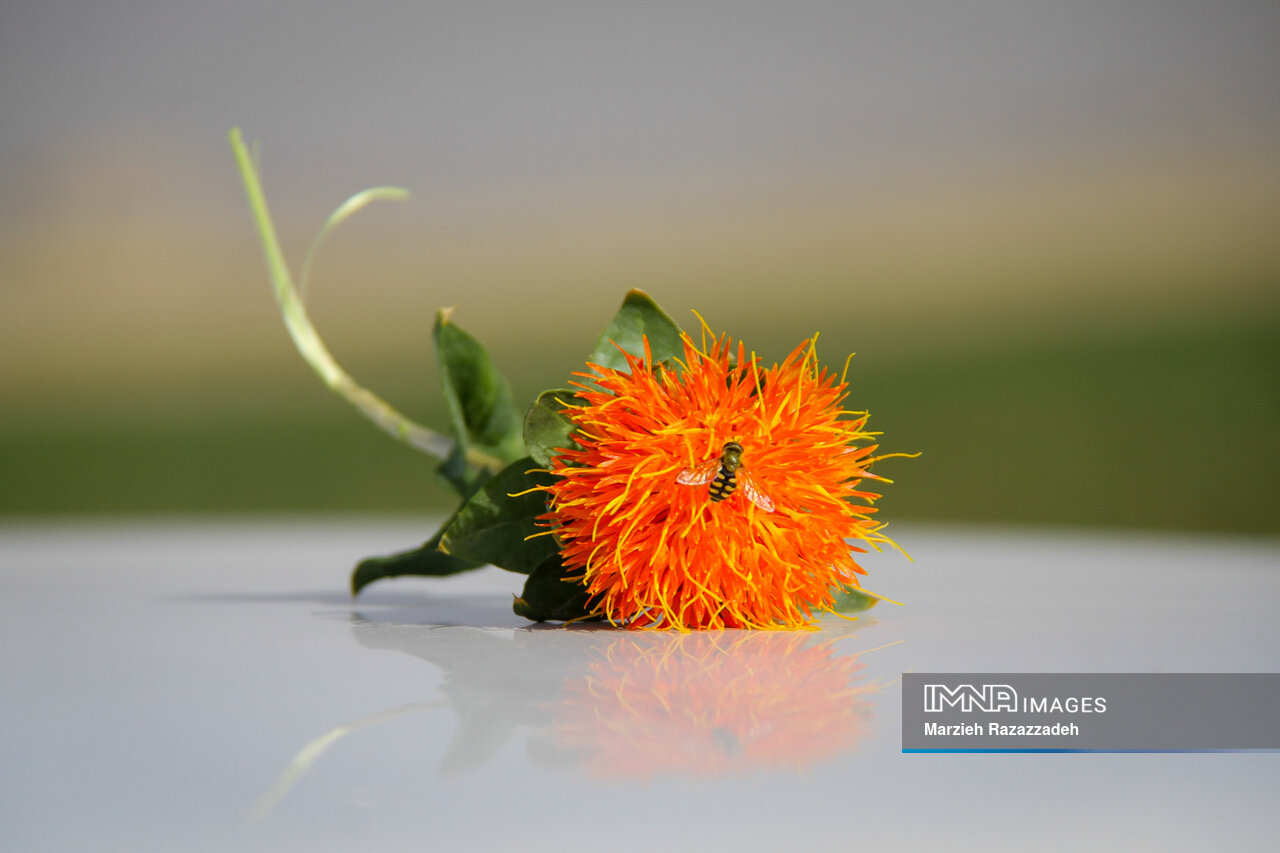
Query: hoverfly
[725, 473]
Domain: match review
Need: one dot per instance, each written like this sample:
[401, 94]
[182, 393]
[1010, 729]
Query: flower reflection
[710, 704]
[630, 705]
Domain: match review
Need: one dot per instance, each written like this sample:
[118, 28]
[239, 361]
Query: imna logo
[967, 698]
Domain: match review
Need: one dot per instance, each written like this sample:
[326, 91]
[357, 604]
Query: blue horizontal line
[1098, 750]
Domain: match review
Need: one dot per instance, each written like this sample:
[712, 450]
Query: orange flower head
[715, 493]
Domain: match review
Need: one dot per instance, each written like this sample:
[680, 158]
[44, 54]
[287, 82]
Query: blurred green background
[1049, 232]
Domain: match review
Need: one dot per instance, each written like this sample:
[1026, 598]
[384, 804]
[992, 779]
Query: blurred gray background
[1048, 230]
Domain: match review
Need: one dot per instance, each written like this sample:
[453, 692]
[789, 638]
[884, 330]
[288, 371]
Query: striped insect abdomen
[724, 484]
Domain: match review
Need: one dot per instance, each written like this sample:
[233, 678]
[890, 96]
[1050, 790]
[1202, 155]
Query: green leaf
[850, 599]
[428, 561]
[547, 596]
[482, 410]
[494, 527]
[457, 474]
[546, 427]
[639, 317]
[453, 471]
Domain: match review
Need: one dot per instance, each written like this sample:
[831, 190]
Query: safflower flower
[716, 495]
[640, 528]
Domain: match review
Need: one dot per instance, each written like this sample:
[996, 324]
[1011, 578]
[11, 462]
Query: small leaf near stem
[308, 341]
[481, 407]
[638, 318]
[547, 429]
[425, 561]
[850, 599]
[551, 596]
[499, 524]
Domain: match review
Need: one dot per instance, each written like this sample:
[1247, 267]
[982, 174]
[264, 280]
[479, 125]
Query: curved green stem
[308, 341]
[345, 211]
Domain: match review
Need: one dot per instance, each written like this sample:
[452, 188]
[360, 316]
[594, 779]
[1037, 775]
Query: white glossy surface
[211, 686]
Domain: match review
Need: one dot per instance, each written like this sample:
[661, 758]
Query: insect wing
[752, 491]
[704, 473]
